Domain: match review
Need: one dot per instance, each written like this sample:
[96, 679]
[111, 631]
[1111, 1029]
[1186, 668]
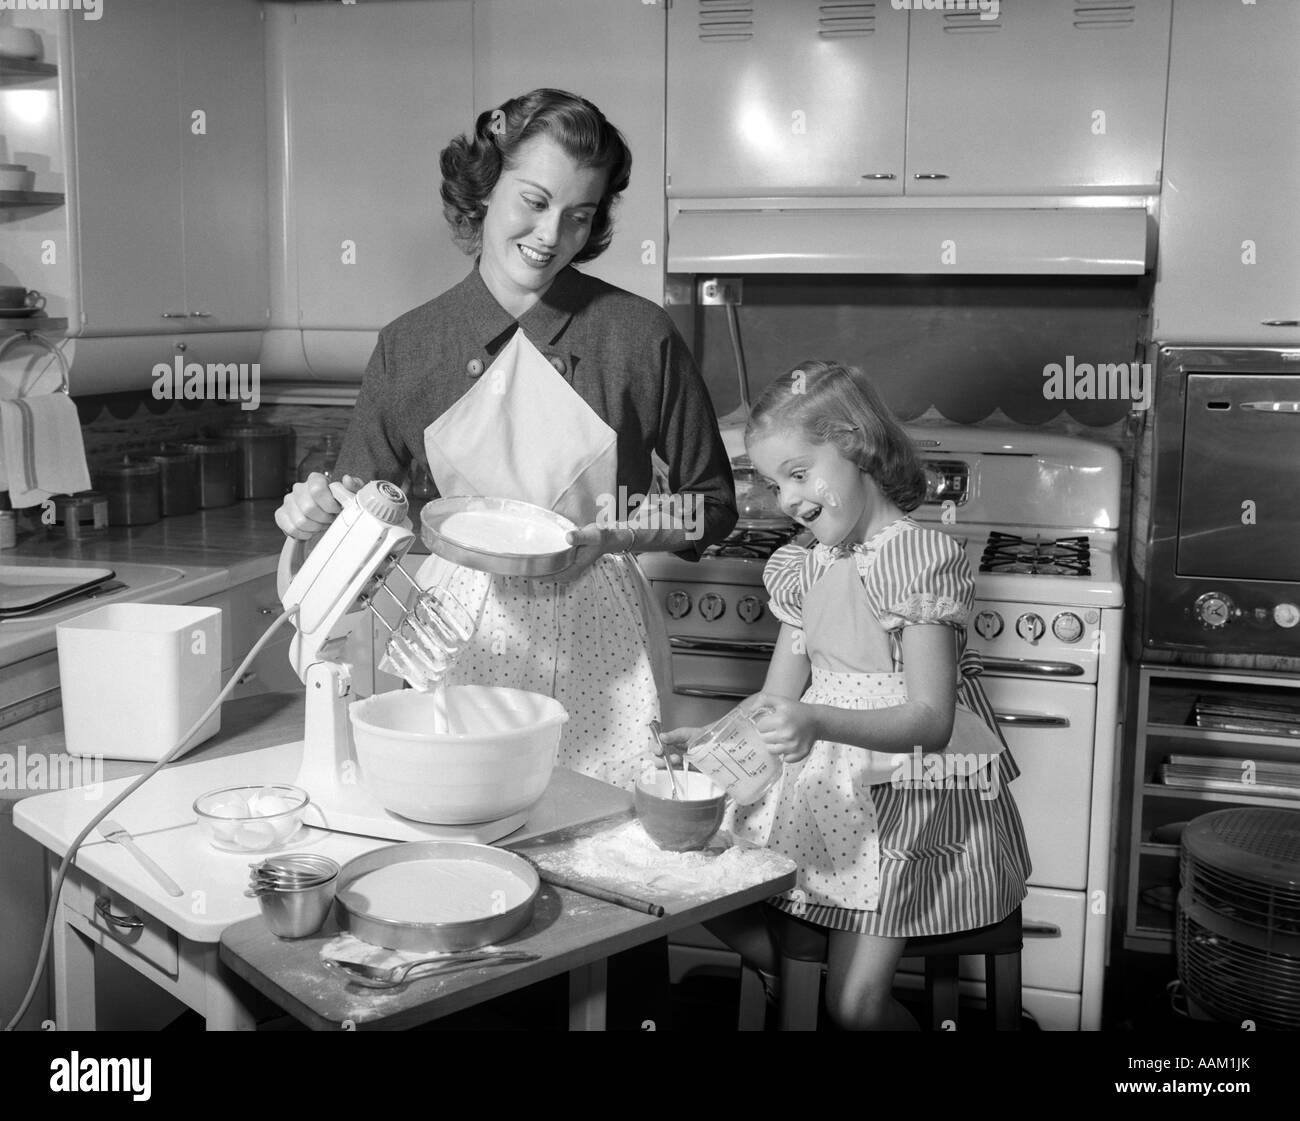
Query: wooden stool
[803, 958]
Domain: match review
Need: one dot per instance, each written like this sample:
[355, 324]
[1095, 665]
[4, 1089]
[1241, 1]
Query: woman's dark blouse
[621, 354]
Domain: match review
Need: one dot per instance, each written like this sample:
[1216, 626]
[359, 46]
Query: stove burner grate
[1009, 552]
[751, 543]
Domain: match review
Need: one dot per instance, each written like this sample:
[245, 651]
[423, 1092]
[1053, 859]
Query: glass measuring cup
[731, 752]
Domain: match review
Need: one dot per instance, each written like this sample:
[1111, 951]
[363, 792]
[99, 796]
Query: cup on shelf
[16, 177]
[14, 297]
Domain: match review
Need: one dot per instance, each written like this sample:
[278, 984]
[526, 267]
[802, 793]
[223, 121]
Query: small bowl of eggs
[251, 818]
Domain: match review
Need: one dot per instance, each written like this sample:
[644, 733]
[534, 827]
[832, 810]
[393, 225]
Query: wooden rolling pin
[632, 902]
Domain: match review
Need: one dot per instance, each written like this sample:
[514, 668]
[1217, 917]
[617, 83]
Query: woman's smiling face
[538, 218]
[817, 486]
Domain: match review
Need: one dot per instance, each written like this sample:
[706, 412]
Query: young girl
[876, 610]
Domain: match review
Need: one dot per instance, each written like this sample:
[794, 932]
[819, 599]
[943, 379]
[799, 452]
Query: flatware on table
[391, 976]
[111, 831]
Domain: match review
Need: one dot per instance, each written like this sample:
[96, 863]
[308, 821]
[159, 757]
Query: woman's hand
[789, 728]
[310, 507]
[674, 745]
[593, 541]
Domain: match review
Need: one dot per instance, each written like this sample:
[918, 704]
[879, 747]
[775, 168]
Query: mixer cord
[139, 782]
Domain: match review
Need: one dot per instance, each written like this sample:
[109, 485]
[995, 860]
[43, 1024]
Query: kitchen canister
[178, 476]
[133, 489]
[80, 515]
[262, 461]
[216, 460]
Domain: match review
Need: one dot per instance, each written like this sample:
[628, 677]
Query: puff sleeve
[920, 576]
[787, 576]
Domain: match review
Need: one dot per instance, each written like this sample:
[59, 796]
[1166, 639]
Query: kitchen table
[573, 933]
[110, 902]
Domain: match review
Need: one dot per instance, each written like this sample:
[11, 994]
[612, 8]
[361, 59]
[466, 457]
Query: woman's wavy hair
[827, 403]
[471, 164]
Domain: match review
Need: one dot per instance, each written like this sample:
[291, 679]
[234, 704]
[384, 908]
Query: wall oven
[1223, 556]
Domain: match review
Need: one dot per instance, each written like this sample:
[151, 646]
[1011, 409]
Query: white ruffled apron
[598, 645]
[821, 812]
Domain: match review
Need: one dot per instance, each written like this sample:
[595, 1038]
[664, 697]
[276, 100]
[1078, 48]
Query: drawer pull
[1031, 929]
[1032, 720]
[244, 679]
[122, 922]
[710, 694]
[269, 610]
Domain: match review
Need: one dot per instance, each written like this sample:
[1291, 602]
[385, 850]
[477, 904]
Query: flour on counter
[626, 857]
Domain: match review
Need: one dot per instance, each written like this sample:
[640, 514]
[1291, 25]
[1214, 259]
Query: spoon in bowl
[672, 778]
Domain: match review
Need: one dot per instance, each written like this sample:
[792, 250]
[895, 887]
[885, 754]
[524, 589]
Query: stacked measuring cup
[295, 892]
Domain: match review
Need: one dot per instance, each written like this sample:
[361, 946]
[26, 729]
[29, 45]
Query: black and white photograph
[696, 516]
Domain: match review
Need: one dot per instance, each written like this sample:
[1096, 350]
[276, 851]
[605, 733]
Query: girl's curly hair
[827, 403]
[471, 164]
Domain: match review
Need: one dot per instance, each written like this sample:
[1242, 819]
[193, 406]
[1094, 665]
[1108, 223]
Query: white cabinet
[168, 102]
[247, 610]
[786, 97]
[800, 97]
[1229, 257]
[613, 55]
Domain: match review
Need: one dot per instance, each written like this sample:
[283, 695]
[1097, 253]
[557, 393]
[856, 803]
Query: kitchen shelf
[14, 199]
[1166, 703]
[20, 71]
[33, 325]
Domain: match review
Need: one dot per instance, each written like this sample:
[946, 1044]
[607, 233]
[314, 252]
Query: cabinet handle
[929, 175]
[1031, 929]
[880, 175]
[710, 694]
[125, 922]
[1280, 322]
[200, 315]
[269, 610]
[251, 675]
[1032, 720]
[175, 315]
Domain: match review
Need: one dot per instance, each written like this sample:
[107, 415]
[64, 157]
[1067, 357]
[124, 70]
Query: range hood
[1060, 236]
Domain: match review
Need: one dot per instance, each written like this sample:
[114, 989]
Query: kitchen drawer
[706, 686]
[29, 690]
[247, 610]
[1052, 957]
[147, 939]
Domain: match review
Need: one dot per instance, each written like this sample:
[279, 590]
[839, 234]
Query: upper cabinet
[810, 97]
[1229, 259]
[521, 45]
[786, 97]
[169, 107]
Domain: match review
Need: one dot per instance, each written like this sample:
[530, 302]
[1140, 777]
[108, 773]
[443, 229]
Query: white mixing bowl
[497, 762]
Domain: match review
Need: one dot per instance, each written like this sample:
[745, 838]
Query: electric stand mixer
[343, 573]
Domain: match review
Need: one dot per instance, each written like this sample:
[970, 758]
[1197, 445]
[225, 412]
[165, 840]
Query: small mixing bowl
[251, 818]
[679, 824]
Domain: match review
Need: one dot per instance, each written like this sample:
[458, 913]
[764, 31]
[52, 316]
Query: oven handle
[1031, 720]
[710, 694]
[1031, 668]
[722, 646]
[1274, 407]
[1032, 928]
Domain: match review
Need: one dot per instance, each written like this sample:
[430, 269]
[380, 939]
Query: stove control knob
[988, 624]
[1030, 626]
[749, 608]
[1286, 614]
[1213, 609]
[1068, 627]
[678, 605]
[712, 606]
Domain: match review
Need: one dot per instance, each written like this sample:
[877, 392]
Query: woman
[531, 192]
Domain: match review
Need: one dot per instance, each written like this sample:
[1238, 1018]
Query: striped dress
[885, 849]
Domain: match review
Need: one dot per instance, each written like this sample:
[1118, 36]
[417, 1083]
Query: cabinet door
[1050, 97]
[785, 97]
[521, 45]
[373, 93]
[1229, 226]
[222, 122]
[125, 74]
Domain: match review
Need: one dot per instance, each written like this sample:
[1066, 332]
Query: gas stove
[1037, 515]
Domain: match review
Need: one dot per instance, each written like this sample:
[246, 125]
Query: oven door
[709, 681]
[1050, 728]
[1237, 514]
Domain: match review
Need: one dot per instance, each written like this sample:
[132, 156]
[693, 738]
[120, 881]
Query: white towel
[41, 452]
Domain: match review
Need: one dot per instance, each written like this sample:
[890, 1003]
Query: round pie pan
[399, 934]
[530, 518]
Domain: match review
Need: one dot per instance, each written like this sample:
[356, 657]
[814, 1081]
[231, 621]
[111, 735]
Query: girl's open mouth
[810, 516]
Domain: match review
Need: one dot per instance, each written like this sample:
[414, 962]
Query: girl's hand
[309, 508]
[593, 541]
[789, 728]
[678, 738]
